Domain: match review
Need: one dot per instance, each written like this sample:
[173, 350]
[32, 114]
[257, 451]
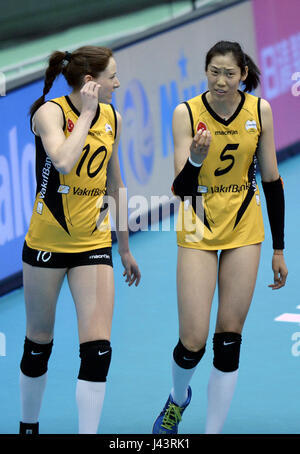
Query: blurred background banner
[158, 69]
[277, 31]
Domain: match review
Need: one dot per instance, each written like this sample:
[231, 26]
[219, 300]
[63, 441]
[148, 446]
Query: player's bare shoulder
[181, 120]
[49, 114]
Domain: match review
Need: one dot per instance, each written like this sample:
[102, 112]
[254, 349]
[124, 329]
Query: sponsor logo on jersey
[70, 125]
[251, 126]
[39, 207]
[201, 125]
[108, 128]
[94, 133]
[231, 188]
[225, 133]
[94, 192]
[45, 177]
[202, 189]
[63, 189]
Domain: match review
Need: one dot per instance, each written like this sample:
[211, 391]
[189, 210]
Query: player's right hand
[90, 97]
[200, 145]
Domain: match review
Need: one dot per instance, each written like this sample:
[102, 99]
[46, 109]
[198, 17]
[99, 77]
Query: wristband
[275, 206]
[186, 182]
[195, 164]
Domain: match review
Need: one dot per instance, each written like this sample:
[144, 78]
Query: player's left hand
[131, 271]
[280, 271]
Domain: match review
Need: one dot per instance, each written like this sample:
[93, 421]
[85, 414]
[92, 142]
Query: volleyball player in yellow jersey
[217, 138]
[69, 235]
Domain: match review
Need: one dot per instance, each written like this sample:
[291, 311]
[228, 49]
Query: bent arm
[48, 125]
[189, 153]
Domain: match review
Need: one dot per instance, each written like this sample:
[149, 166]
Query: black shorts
[46, 259]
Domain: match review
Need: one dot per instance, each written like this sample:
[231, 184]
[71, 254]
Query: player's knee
[35, 358]
[227, 347]
[185, 358]
[95, 360]
[192, 340]
[40, 334]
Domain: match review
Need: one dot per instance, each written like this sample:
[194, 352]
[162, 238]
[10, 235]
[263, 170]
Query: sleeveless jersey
[228, 211]
[68, 215]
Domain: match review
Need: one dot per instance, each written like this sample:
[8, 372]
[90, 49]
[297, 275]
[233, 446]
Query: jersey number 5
[86, 150]
[226, 157]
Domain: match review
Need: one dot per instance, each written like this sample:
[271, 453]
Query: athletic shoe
[29, 429]
[168, 420]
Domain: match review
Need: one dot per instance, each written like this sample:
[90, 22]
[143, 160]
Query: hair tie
[67, 56]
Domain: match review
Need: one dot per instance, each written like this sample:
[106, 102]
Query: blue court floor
[144, 334]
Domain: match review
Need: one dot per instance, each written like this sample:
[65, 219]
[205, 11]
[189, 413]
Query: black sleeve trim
[274, 195]
[259, 113]
[31, 117]
[116, 122]
[191, 117]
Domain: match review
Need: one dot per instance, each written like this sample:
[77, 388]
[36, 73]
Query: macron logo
[100, 256]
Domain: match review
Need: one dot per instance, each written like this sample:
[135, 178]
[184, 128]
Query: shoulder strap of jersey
[191, 117]
[115, 120]
[54, 101]
[194, 107]
[252, 103]
[259, 113]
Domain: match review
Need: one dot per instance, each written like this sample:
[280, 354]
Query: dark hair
[242, 60]
[74, 66]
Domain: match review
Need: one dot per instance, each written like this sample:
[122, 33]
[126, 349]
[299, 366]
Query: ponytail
[253, 77]
[74, 66]
[55, 67]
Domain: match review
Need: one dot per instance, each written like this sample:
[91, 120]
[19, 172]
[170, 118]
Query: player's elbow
[62, 166]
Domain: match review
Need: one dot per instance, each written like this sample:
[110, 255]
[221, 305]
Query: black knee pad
[186, 358]
[35, 358]
[227, 351]
[95, 360]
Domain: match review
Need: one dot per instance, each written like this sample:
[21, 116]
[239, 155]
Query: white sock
[181, 380]
[89, 397]
[32, 391]
[221, 388]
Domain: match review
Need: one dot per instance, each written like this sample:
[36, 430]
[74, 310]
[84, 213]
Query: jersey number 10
[86, 150]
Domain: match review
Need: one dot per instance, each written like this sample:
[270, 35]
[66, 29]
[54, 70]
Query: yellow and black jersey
[68, 215]
[228, 213]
